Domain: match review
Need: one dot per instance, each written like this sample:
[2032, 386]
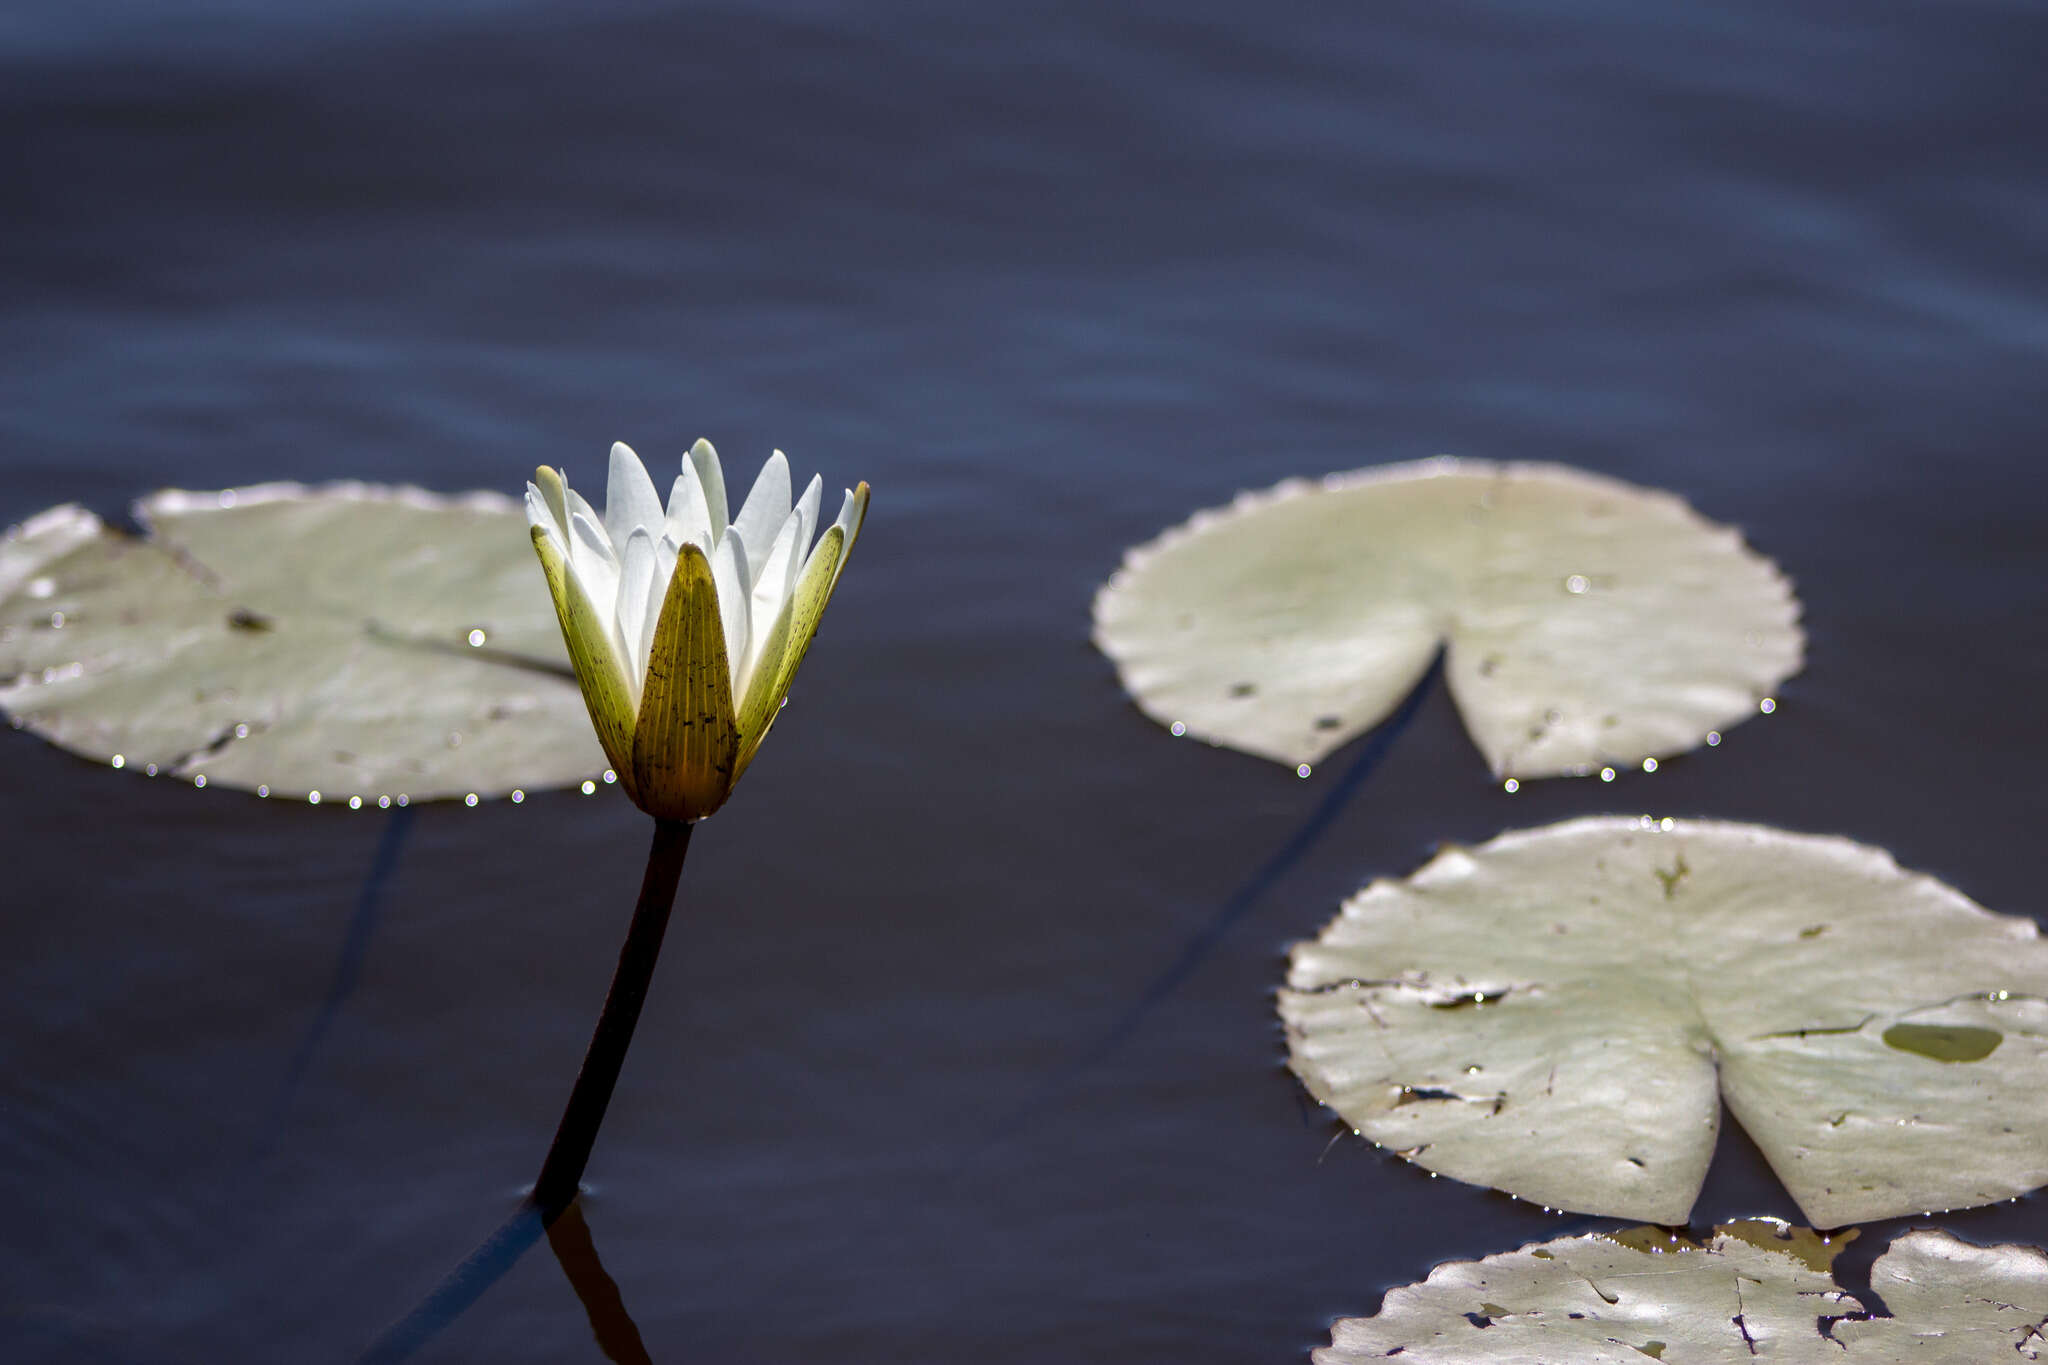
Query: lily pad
[1588, 622]
[1756, 1289]
[1560, 1013]
[358, 642]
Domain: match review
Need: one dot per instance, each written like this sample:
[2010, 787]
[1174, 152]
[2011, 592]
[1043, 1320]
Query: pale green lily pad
[1755, 1290]
[1589, 622]
[1560, 1012]
[26, 548]
[351, 640]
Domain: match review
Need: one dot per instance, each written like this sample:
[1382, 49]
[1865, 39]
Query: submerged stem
[562, 1172]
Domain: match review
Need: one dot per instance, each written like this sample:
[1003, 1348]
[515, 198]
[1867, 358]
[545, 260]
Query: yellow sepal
[687, 737]
[555, 494]
[607, 692]
[806, 605]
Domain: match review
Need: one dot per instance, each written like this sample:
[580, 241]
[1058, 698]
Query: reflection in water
[617, 1335]
[569, 1236]
[1240, 903]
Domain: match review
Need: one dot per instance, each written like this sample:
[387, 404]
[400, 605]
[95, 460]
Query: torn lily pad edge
[1753, 1286]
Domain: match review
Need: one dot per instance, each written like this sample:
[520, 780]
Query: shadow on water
[612, 1326]
[558, 1216]
[569, 1238]
[1204, 941]
[355, 948]
[43, 1332]
[460, 1288]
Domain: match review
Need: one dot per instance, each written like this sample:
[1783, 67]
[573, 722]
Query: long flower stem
[562, 1172]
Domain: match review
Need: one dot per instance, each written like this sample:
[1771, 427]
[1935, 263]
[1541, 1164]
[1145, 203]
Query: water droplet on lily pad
[296, 639]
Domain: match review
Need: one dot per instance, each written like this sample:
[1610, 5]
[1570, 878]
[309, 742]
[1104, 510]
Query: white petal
[771, 639]
[666, 552]
[538, 513]
[630, 499]
[772, 589]
[729, 574]
[710, 478]
[845, 525]
[689, 516]
[807, 513]
[850, 518]
[766, 508]
[851, 513]
[657, 594]
[592, 563]
[579, 503]
[636, 589]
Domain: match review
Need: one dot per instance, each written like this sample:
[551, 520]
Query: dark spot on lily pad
[1415, 1094]
[1944, 1042]
[1471, 1001]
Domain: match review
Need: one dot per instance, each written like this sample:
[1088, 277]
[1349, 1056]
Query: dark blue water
[1050, 277]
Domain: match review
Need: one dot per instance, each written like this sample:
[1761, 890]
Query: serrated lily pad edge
[1764, 699]
[72, 525]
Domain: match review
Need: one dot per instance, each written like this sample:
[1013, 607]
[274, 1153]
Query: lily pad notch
[1561, 1012]
[1591, 625]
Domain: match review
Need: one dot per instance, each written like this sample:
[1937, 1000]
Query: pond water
[963, 1044]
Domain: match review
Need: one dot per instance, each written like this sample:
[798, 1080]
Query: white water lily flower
[685, 628]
